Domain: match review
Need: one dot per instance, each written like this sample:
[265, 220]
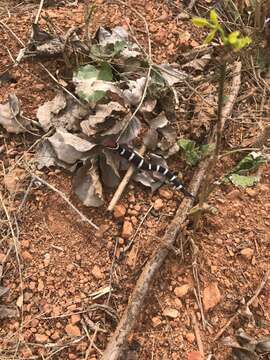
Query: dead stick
[124, 182]
[39, 11]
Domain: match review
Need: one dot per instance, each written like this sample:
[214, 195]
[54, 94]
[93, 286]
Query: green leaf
[233, 37]
[243, 181]
[87, 72]
[249, 163]
[200, 22]
[93, 83]
[105, 72]
[119, 46]
[210, 36]
[194, 153]
[108, 51]
[241, 43]
[214, 17]
[94, 97]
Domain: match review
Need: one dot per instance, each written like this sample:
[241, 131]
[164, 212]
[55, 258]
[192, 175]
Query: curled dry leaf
[135, 91]
[10, 116]
[169, 138]
[198, 64]
[105, 37]
[87, 185]
[160, 121]
[103, 113]
[14, 179]
[148, 106]
[70, 148]
[49, 49]
[246, 347]
[7, 312]
[61, 112]
[44, 44]
[109, 164]
[125, 128]
[151, 139]
[3, 291]
[46, 157]
[263, 346]
[131, 131]
[172, 73]
[147, 180]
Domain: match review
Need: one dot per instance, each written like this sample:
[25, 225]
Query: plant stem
[206, 186]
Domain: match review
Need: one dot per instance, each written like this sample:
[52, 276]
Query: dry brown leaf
[61, 112]
[19, 301]
[70, 148]
[87, 185]
[7, 312]
[109, 164]
[135, 91]
[103, 112]
[172, 73]
[13, 180]
[198, 64]
[10, 116]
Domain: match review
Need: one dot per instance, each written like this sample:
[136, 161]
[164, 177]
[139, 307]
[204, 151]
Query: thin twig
[111, 271]
[124, 182]
[63, 196]
[12, 33]
[25, 196]
[87, 353]
[239, 311]
[137, 299]
[191, 4]
[197, 334]
[39, 11]
[259, 288]
[62, 87]
[127, 247]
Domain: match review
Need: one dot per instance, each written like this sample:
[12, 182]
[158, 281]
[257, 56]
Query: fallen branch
[136, 302]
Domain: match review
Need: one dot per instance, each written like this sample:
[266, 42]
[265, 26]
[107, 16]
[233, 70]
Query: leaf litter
[109, 95]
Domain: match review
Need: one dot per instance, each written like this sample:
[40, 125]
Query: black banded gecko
[140, 163]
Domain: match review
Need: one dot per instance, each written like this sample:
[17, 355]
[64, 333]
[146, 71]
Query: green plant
[193, 153]
[240, 174]
[232, 40]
